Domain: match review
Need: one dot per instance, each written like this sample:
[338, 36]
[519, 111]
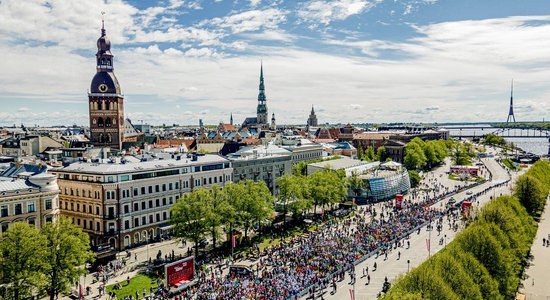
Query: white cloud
[251, 20]
[327, 11]
[271, 35]
[255, 3]
[452, 71]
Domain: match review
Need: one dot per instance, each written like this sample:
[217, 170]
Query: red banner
[398, 201]
[180, 272]
[466, 205]
[428, 244]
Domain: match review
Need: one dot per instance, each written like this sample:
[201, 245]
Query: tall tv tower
[511, 116]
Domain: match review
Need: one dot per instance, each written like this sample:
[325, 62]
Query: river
[539, 146]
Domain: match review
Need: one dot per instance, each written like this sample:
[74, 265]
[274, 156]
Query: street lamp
[445, 241]
[408, 265]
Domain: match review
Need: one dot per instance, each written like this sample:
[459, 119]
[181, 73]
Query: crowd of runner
[317, 259]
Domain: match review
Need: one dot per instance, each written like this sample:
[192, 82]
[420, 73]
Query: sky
[360, 61]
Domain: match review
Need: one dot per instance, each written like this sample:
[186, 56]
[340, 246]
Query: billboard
[398, 201]
[180, 272]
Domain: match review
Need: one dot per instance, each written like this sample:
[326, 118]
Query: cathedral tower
[105, 99]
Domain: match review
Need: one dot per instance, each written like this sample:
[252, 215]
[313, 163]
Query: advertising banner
[180, 272]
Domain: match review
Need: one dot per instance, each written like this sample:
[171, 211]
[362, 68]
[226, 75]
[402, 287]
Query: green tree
[219, 212]
[327, 187]
[493, 139]
[381, 154]
[254, 206]
[355, 183]
[460, 154]
[68, 249]
[22, 260]
[414, 178]
[530, 193]
[414, 156]
[189, 216]
[369, 154]
[294, 195]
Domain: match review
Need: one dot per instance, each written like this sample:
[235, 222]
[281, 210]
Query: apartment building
[125, 202]
[32, 199]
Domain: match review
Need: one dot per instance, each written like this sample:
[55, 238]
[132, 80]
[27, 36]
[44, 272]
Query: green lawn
[137, 283]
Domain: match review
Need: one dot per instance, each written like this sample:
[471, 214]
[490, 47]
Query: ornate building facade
[106, 109]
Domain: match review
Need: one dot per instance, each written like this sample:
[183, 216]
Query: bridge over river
[533, 139]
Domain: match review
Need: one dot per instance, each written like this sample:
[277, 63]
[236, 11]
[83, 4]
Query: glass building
[386, 187]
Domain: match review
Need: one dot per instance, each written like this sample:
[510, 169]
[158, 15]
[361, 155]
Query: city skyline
[355, 61]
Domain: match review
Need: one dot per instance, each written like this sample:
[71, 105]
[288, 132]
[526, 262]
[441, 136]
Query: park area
[137, 284]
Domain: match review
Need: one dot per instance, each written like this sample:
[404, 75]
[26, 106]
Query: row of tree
[206, 212]
[494, 140]
[368, 154]
[37, 262]
[424, 155]
[298, 194]
[533, 187]
[486, 260]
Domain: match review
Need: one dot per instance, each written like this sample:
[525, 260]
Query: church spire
[261, 110]
[231, 119]
[262, 87]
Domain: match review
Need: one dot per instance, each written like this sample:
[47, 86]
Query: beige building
[124, 203]
[31, 199]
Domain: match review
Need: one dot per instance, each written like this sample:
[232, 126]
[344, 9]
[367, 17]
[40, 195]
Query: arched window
[109, 138]
[114, 121]
[100, 122]
[100, 105]
[101, 138]
[108, 122]
[94, 121]
[107, 105]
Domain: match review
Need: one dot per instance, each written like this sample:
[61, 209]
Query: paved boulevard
[392, 267]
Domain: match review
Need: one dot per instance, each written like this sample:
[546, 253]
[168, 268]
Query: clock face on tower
[103, 87]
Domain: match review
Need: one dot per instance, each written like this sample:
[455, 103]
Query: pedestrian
[135, 257]
[398, 255]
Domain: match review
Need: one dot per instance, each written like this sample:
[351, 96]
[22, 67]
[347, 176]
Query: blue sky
[355, 60]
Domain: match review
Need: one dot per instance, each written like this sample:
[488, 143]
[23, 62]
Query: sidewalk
[132, 267]
[536, 284]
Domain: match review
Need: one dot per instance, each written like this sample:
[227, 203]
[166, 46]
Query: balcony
[111, 232]
[110, 217]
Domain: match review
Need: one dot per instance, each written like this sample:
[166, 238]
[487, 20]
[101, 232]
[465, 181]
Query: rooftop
[16, 185]
[132, 166]
[338, 164]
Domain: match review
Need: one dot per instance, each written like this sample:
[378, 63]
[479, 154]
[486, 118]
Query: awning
[167, 227]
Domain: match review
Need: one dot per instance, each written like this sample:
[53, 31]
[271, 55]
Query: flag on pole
[234, 240]
[351, 294]
[80, 292]
[323, 212]
[428, 244]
